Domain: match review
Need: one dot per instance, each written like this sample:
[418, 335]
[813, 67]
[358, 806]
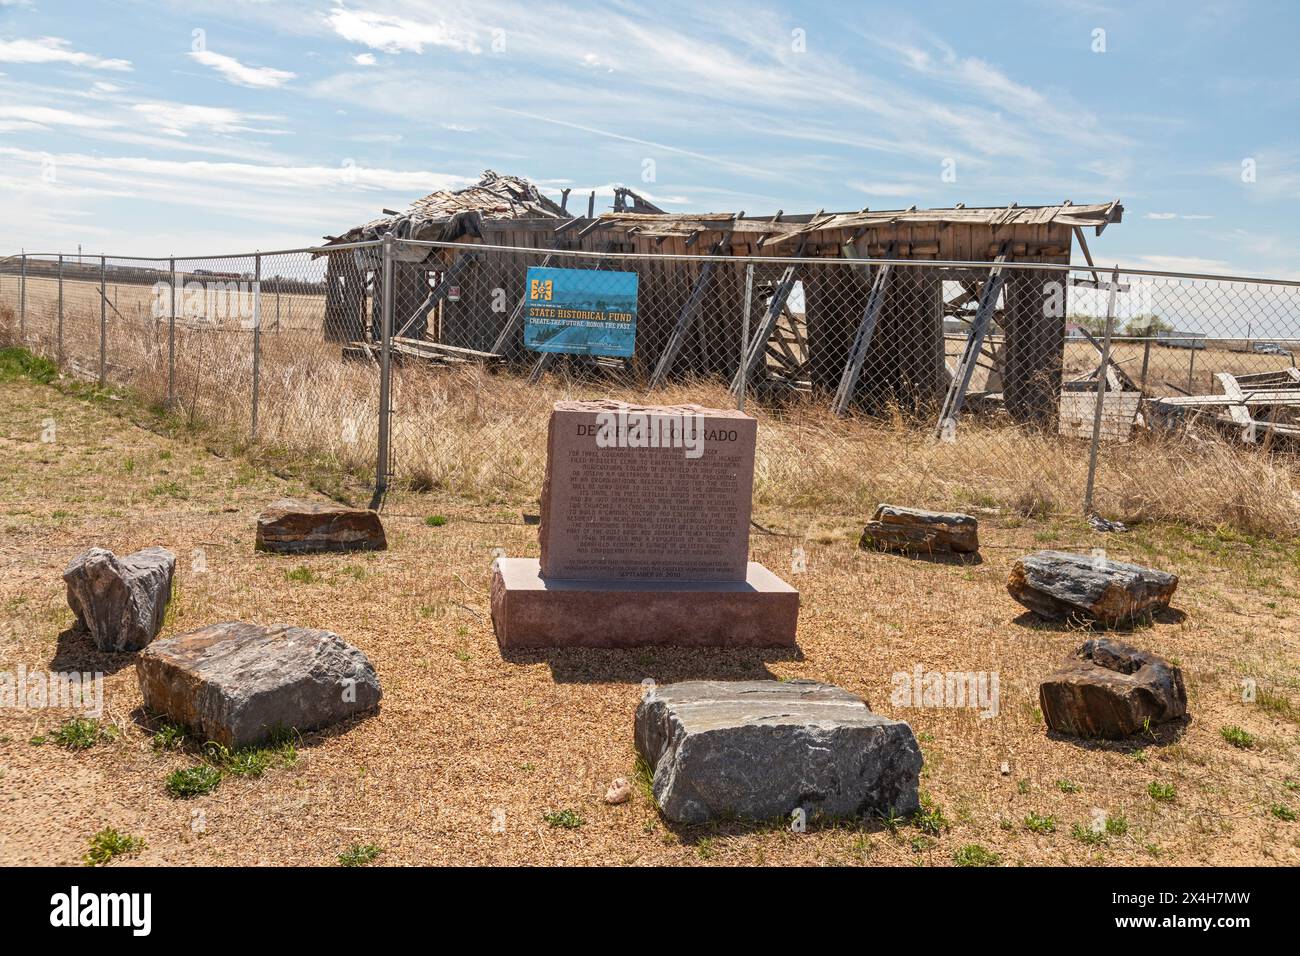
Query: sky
[160, 128]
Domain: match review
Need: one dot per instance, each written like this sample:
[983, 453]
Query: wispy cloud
[45, 117]
[259, 77]
[884, 189]
[179, 119]
[56, 50]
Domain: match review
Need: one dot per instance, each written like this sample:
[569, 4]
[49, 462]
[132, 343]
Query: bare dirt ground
[466, 739]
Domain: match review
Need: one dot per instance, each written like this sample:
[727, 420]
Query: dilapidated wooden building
[865, 335]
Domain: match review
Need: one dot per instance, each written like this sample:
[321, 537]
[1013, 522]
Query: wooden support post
[956, 396]
[758, 344]
[862, 340]
[686, 318]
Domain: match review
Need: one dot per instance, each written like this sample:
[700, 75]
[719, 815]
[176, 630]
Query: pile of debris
[1255, 408]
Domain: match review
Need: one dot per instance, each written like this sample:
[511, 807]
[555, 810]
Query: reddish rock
[1111, 690]
[297, 526]
[896, 528]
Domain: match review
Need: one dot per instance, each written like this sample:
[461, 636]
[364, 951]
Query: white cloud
[157, 172]
[1195, 264]
[396, 34]
[55, 50]
[259, 77]
[178, 119]
[44, 117]
[884, 189]
[1174, 215]
[364, 59]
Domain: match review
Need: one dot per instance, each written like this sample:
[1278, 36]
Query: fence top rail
[95, 257]
[1098, 271]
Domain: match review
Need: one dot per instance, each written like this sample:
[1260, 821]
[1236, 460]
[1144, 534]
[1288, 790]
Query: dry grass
[479, 434]
[465, 738]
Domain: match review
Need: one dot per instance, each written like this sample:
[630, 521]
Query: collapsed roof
[448, 215]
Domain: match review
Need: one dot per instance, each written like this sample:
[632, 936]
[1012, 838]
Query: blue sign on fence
[580, 311]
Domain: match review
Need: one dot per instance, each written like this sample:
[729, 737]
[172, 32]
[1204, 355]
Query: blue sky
[157, 128]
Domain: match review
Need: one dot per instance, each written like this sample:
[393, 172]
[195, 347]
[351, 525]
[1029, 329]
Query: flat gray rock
[896, 528]
[761, 749]
[1058, 586]
[238, 683]
[1111, 690]
[120, 602]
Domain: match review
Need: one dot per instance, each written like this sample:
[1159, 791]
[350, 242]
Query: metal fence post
[1101, 393]
[59, 351]
[171, 341]
[744, 335]
[385, 372]
[22, 302]
[257, 335]
[103, 321]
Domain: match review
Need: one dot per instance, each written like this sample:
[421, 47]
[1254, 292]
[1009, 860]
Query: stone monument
[644, 536]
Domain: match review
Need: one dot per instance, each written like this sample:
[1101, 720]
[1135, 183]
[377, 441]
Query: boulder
[297, 526]
[238, 683]
[896, 528]
[120, 601]
[1108, 689]
[762, 749]
[1060, 586]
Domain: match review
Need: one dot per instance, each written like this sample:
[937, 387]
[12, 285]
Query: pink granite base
[529, 611]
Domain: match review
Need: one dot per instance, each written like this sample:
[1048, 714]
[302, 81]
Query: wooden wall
[905, 364]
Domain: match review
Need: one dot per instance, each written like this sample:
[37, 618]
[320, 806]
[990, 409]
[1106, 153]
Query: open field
[464, 736]
[137, 302]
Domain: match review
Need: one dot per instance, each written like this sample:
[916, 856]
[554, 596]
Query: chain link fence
[1015, 387]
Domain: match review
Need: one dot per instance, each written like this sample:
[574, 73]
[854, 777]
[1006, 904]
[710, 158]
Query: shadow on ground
[1082, 625]
[76, 651]
[1161, 735]
[663, 665]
